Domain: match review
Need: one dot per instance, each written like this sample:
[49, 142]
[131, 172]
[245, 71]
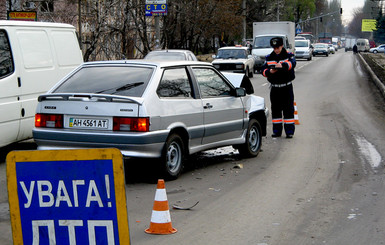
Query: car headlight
[240, 66]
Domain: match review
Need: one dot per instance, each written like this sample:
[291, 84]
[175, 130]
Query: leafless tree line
[119, 29]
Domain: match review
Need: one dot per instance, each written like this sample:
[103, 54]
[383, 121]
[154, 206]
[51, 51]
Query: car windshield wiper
[128, 86]
[121, 88]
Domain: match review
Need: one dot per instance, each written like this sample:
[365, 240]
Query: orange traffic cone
[160, 218]
[296, 120]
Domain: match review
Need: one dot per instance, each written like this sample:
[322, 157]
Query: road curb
[376, 80]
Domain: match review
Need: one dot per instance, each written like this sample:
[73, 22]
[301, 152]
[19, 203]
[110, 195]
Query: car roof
[157, 63]
[34, 24]
[234, 47]
[171, 51]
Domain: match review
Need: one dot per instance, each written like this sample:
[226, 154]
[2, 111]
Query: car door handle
[207, 106]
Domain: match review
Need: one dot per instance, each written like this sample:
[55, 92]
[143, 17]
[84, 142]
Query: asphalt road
[324, 186]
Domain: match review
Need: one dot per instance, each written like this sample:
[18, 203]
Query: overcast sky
[348, 6]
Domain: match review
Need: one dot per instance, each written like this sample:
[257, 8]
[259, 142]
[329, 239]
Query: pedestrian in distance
[279, 70]
[355, 49]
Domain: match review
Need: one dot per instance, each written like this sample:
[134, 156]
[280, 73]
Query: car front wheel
[172, 158]
[253, 144]
[375, 51]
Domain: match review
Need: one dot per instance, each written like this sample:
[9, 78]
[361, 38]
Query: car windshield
[117, 80]
[300, 43]
[165, 56]
[231, 54]
[319, 46]
[262, 42]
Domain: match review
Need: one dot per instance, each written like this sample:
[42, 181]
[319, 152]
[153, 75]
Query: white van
[33, 57]
[363, 45]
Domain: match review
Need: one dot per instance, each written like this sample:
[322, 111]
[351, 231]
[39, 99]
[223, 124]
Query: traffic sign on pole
[67, 197]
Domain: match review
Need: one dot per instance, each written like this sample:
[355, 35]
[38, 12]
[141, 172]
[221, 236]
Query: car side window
[6, 61]
[175, 83]
[210, 83]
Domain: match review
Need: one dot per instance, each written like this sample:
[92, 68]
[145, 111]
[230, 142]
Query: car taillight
[49, 120]
[141, 124]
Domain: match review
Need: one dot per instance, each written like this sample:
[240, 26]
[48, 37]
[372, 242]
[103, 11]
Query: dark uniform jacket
[284, 74]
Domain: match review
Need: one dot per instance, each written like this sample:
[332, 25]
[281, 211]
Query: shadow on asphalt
[148, 171]
[20, 146]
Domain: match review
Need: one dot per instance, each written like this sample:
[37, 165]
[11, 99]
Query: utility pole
[244, 21]
[277, 10]
[80, 24]
[157, 32]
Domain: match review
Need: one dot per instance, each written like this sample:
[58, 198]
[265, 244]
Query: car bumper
[304, 56]
[147, 145]
[320, 53]
[235, 71]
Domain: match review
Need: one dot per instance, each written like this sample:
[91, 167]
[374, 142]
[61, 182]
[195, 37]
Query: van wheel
[253, 144]
[172, 157]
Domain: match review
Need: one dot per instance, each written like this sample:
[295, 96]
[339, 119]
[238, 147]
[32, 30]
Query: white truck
[349, 43]
[263, 32]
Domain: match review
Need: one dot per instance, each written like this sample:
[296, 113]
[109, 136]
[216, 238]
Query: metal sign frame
[67, 192]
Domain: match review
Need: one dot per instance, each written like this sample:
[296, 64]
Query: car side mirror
[249, 56]
[214, 56]
[240, 92]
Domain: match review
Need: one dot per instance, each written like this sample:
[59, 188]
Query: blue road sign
[70, 197]
[156, 9]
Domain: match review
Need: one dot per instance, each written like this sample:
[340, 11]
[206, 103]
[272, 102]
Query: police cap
[276, 42]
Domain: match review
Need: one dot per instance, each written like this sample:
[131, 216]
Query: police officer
[279, 70]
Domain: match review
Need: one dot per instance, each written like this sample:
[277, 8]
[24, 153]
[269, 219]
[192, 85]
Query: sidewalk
[375, 65]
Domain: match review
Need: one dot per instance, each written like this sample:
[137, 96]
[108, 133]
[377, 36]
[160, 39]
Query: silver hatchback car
[165, 110]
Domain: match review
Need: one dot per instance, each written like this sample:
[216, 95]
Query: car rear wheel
[172, 158]
[253, 144]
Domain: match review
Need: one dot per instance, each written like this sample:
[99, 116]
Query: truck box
[34, 57]
[263, 32]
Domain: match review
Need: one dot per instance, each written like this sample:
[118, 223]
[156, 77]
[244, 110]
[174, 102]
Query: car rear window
[116, 80]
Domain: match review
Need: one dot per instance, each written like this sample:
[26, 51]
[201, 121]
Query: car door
[178, 104]
[223, 112]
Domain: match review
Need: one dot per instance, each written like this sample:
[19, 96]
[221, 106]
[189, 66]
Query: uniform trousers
[282, 103]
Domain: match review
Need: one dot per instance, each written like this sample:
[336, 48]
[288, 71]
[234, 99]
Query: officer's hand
[279, 65]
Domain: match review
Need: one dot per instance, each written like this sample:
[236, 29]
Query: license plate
[88, 123]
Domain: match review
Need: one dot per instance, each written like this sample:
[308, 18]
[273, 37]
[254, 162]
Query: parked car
[234, 59]
[165, 110]
[303, 49]
[379, 49]
[321, 49]
[171, 54]
[332, 50]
